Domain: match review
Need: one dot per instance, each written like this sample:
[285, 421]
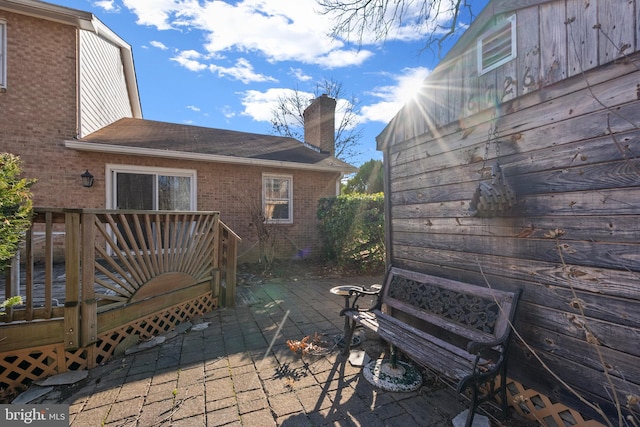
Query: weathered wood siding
[103, 89]
[567, 117]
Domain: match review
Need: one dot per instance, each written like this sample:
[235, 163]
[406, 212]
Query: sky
[224, 64]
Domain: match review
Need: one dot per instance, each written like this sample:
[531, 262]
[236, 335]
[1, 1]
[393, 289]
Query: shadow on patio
[233, 367]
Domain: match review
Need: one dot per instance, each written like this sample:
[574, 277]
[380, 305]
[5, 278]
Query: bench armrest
[372, 291]
[498, 347]
[358, 292]
[475, 347]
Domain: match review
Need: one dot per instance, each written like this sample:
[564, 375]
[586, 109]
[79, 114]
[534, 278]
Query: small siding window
[497, 46]
[277, 198]
[3, 54]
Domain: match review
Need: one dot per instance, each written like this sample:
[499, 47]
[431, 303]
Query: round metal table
[344, 291]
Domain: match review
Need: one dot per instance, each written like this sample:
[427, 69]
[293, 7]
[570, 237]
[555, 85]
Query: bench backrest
[474, 312]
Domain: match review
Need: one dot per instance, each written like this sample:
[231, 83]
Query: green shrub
[17, 300]
[15, 207]
[369, 179]
[352, 228]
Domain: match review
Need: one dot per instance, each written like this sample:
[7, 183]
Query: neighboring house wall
[565, 131]
[103, 90]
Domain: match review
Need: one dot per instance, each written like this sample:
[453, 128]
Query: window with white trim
[145, 188]
[277, 198]
[3, 54]
[497, 46]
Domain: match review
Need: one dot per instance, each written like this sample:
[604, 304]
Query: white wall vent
[497, 46]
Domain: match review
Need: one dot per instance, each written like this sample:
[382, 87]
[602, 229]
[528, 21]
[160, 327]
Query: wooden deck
[91, 278]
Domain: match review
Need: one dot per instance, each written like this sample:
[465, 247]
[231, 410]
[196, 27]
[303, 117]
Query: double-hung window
[3, 54]
[277, 198]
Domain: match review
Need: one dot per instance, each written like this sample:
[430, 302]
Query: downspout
[78, 83]
[339, 183]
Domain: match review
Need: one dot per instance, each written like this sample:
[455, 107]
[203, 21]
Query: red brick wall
[38, 109]
[230, 189]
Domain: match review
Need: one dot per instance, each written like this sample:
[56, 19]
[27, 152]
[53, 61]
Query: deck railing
[88, 273]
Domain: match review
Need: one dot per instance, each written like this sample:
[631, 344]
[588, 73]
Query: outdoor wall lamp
[87, 179]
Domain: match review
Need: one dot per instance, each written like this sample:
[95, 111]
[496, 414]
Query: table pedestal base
[402, 378]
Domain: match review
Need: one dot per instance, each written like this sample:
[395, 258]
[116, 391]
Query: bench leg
[503, 395]
[472, 407]
[348, 336]
[393, 356]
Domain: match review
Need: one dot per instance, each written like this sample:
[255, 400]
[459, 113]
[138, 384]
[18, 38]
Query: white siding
[103, 91]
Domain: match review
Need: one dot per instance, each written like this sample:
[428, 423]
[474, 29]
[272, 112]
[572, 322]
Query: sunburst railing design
[134, 249]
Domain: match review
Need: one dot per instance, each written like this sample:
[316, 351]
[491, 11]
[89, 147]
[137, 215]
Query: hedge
[352, 228]
[15, 207]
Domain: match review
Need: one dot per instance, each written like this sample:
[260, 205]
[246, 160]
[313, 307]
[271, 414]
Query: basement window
[497, 46]
[3, 54]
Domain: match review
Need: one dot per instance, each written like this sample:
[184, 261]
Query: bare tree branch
[288, 119]
[376, 20]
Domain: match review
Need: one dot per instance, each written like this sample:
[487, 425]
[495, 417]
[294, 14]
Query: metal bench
[457, 329]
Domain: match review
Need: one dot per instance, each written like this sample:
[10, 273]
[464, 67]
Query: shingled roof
[162, 139]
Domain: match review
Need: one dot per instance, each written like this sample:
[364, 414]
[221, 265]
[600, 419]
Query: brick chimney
[319, 124]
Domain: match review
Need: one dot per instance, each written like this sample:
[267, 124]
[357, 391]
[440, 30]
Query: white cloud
[281, 30]
[259, 105]
[189, 59]
[155, 13]
[343, 58]
[299, 74]
[228, 112]
[158, 44]
[242, 70]
[382, 111]
[393, 97]
[192, 108]
[107, 5]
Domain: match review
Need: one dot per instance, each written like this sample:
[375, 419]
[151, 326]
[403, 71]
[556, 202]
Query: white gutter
[50, 12]
[214, 158]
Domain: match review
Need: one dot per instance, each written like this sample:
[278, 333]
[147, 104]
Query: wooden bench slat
[441, 356]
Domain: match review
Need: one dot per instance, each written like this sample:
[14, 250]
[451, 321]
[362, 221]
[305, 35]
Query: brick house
[69, 103]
